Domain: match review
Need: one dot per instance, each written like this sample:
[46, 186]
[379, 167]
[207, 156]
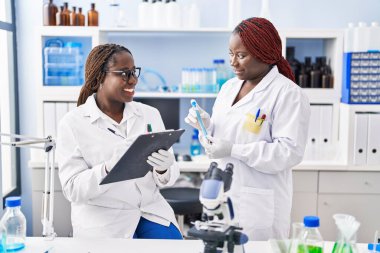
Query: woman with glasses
[91, 140]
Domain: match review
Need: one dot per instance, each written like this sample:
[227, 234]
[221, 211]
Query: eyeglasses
[127, 74]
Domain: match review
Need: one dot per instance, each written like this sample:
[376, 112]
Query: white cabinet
[354, 193]
[305, 192]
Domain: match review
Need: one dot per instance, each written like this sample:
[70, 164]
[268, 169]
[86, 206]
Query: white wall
[285, 14]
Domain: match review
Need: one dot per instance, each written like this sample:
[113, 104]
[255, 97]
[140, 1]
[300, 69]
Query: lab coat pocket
[251, 125]
[256, 208]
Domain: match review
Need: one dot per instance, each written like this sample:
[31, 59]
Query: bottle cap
[311, 221]
[13, 201]
[370, 247]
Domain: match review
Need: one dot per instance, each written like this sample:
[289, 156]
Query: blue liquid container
[63, 63]
[195, 146]
[15, 224]
[222, 74]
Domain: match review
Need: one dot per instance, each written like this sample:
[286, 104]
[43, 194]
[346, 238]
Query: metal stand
[21, 141]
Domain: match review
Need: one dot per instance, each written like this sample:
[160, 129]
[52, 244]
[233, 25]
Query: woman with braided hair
[259, 123]
[91, 140]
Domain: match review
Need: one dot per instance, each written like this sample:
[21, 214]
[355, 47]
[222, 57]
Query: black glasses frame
[127, 74]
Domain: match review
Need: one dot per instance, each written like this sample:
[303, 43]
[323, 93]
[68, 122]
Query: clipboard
[133, 163]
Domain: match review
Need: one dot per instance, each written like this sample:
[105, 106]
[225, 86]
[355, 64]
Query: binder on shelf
[326, 116]
[373, 145]
[360, 138]
[133, 163]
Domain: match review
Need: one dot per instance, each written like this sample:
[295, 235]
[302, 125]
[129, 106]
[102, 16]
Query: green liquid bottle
[312, 240]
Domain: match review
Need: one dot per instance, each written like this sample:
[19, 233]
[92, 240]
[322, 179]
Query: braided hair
[262, 41]
[96, 67]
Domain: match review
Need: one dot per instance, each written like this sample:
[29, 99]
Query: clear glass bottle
[15, 224]
[92, 16]
[311, 241]
[195, 146]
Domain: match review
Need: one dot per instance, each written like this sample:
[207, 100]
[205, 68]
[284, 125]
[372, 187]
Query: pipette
[194, 105]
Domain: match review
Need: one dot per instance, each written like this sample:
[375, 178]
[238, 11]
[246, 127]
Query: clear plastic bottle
[15, 224]
[195, 146]
[311, 241]
[221, 72]
[3, 242]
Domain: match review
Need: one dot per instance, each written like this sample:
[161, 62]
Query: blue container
[361, 78]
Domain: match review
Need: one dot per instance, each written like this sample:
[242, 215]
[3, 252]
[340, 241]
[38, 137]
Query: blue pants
[149, 230]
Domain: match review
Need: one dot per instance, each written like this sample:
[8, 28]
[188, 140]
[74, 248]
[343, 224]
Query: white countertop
[74, 245]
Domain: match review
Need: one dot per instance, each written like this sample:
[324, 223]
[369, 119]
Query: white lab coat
[261, 188]
[111, 210]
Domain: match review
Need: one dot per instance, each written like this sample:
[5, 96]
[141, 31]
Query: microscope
[217, 228]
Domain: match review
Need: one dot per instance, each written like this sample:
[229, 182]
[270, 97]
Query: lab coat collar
[262, 85]
[92, 110]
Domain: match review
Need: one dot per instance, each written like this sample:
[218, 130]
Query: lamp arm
[22, 141]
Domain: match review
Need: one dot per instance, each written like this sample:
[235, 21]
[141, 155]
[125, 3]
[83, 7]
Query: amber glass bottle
[92, 16]
[59, 16]
[73, 16]
[50, 12]
[65, 17]
[80, 17]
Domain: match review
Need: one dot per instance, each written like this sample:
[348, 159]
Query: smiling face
[115, 88]
[245, 66]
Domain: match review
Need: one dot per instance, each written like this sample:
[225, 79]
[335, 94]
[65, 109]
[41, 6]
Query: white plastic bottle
[15, 223]
[234, 10]
[194, 16]
[173, 14]
[349, 38]
[374, 40]
[145, 14]
[158, 14]
[265, 10]
[361, 37]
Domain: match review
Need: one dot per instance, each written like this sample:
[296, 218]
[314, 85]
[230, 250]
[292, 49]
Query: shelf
[323, 96]
[71, 31]
[71, 93]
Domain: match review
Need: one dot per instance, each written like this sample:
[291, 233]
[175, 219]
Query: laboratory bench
[320, 188]
[75, 245]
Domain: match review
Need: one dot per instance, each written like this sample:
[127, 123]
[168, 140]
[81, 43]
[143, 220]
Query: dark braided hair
[96, 67]
[262, 41]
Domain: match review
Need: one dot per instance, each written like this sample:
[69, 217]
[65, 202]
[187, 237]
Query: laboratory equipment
[311, 239]
[221, 72]
[48, 145]
[50, 12]
[15, 224]
[3, 235]
[195, 146]
[218, 228]
[92, 16]
[200, 122]
[347, 229]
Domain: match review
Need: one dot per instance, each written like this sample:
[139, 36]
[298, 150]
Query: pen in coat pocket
[257, 114]
[114, 132]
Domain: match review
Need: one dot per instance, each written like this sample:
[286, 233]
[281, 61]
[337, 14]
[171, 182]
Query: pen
[194, 105]
[148, 128]
[262, 119]
[257, 114]
[113, 131]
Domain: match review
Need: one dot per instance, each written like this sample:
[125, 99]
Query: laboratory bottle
[265, 11]
[3, 234]
[59, 16]
[158, 14]
[65, 17]
[315, 77]
[15, 224]
[73, 16]
[173, 14]
[221, 72]
[303, 78]
[311, 241]
[349, 38]
[195, 146]
[293, 62]
[80, 17]
[50, 13]
[361, 37]
[145, 14]
[374, 41]
[92, 16]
